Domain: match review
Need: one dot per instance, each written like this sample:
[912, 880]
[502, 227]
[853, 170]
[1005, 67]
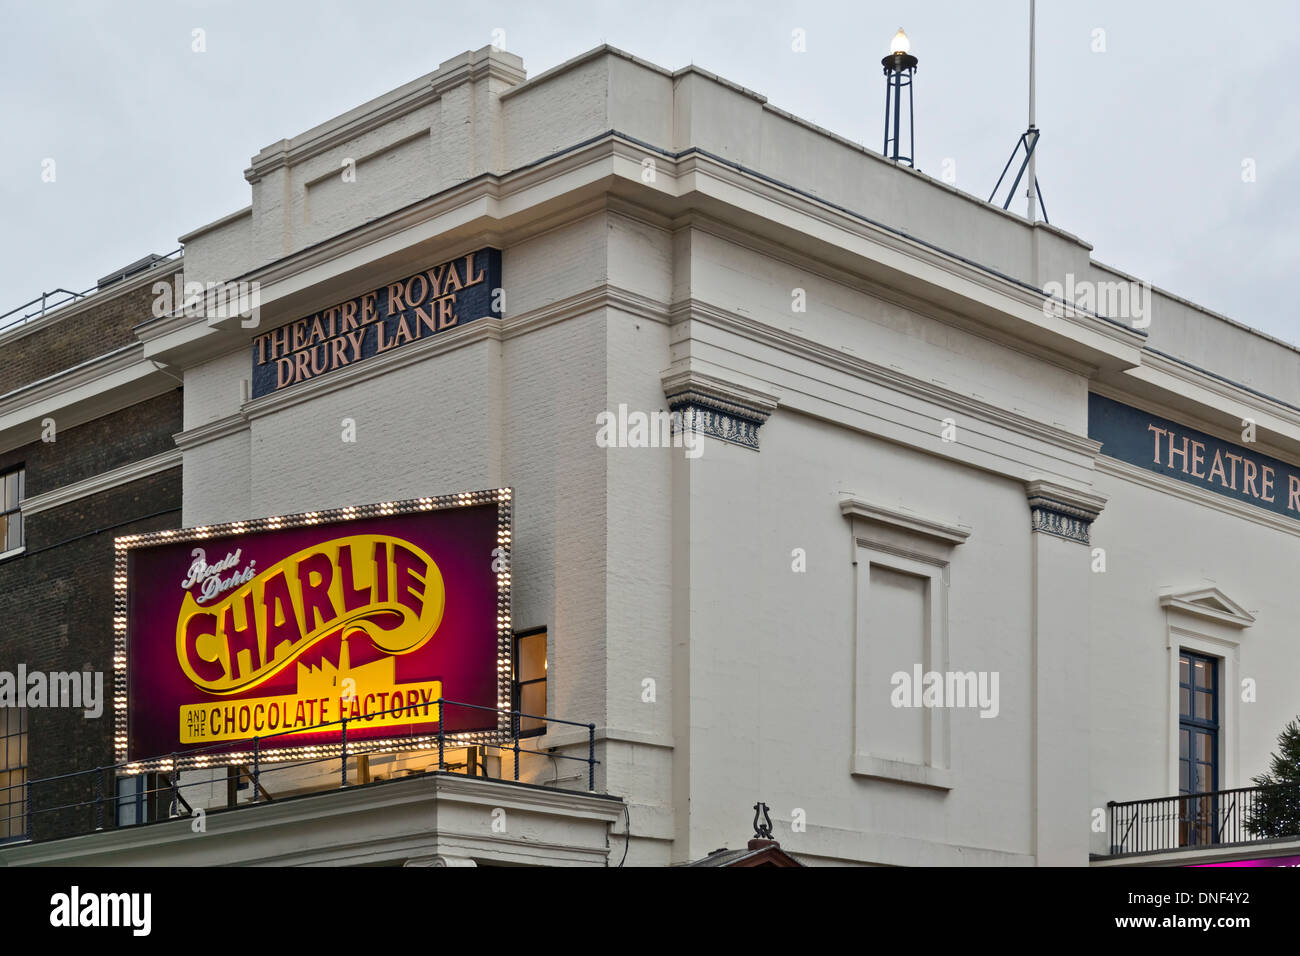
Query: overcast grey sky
[1142, 150]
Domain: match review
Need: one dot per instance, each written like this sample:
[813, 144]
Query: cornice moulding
[475, 68]
[210, 431]
[596, 153]
[245, 213]
[893, 295]
[581, 303]
[74, 377]
[1189, 492]
[906, 521]
[290, 153]
[697, 310]
[1016, 300]
[1206, 396]
[104, 481]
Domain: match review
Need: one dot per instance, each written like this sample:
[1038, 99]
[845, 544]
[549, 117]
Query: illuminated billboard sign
[267, 629]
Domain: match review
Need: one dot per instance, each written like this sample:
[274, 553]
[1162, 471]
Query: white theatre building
[933, 563]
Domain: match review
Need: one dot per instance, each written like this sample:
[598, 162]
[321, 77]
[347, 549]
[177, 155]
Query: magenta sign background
[464, 652]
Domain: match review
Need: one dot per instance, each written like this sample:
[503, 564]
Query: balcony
[1216, 826]
[442, 806]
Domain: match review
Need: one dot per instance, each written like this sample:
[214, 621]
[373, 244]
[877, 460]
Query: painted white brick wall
[215, 481]
[420, 430]
[213, 391]
[772, 650]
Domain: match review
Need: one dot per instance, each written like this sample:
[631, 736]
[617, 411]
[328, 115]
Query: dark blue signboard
[435, 300]
[1185, 454]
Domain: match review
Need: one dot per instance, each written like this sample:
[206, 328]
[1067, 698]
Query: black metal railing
[57, 298]
[263, 761]
[1195, 821]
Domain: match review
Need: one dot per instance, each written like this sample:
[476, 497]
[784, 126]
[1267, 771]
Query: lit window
[1198, 748]
[530, 681]
[13, 773]
[11, 516]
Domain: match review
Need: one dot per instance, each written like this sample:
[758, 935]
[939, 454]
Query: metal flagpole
[1033, 177]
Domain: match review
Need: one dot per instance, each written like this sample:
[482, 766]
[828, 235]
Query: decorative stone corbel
[717, 408]
[1062, 511]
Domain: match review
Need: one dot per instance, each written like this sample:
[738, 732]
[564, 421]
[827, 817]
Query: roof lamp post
[899, 66]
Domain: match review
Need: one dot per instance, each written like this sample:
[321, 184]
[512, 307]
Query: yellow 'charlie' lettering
[379, 584]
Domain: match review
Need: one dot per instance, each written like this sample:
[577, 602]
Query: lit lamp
[899, 66]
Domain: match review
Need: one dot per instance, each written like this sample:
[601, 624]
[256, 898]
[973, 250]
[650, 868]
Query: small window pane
[1204, 705]
[11, 491]
[1204, 748]
[15, 538]
[532, 700]
[1184, 670]
[1184, 700]
[130, 802]
[532, 657]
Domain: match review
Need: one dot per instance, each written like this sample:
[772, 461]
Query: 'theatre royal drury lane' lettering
[1226, 469]
[372, 323]
[1184, 454]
